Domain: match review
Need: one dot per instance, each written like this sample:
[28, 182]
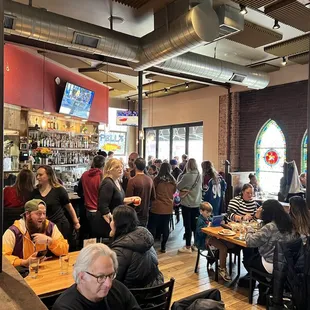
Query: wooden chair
[154, 298]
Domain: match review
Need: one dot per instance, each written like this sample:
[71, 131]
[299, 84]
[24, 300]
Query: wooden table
[49, 280]
[214, 232]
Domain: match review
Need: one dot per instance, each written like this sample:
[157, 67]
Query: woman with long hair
[57, 201]
[162, 206]
[189, 186]
[17, 195]
[277, 226]
[133, 245]
[300, 216]
[214, 187]
[111, 195]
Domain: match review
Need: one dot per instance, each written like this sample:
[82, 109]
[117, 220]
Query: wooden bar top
[214, 232]
[15, 294]
[49, 280]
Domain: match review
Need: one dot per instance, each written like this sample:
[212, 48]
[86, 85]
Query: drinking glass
[243, 230]
[64, 264]
[34, 268]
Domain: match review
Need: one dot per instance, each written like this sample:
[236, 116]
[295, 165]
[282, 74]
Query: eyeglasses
[102, 278]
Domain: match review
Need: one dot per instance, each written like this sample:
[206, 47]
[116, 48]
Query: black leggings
[159, 223]
[190, 216]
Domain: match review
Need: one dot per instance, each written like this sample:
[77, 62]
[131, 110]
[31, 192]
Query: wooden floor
[181, 267]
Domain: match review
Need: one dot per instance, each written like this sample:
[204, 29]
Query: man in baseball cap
[32, 235]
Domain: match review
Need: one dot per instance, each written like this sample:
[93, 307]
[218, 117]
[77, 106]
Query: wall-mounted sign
[114, 141]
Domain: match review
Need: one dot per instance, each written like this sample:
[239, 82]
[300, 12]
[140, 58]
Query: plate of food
[226, 232]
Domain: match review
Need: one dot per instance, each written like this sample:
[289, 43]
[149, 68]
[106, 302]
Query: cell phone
[42, 253]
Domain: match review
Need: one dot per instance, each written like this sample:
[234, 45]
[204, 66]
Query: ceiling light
[47, 113]
[146, 95]
[128, 99]
[67, 116]
[186, 85]
[243, 9]
[84, 120]
[276, 24]
[284, 62]
[165, 90]
[116, 19]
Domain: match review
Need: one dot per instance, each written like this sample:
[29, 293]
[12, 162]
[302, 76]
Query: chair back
[154, 298]
[10, 215]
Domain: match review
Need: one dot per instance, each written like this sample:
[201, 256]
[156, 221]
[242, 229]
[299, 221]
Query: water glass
[64, 264]
[34, 268]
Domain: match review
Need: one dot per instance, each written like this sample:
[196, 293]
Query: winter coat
[137, 259]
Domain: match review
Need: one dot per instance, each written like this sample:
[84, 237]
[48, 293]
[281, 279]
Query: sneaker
[163, 250]
[224, 274]
[194, 248]
[185, 250]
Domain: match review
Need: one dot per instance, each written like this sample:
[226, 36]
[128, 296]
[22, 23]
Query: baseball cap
[33, 205]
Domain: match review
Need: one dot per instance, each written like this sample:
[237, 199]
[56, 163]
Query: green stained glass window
[304, 145]
[270, 154]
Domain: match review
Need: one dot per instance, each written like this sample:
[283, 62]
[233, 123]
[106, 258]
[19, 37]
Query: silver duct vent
[216, 70]
[198, 26]
[49, 27]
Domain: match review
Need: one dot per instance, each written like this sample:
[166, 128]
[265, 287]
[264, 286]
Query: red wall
[24, 79]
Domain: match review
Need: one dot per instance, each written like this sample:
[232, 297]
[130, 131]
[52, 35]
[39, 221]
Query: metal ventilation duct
[196, 27]
[49, 27]
[217, 70]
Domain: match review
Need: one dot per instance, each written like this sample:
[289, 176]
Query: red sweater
[10, 198]
[91, 180]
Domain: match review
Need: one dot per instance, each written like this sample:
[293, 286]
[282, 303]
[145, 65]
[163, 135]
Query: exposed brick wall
[285, 104]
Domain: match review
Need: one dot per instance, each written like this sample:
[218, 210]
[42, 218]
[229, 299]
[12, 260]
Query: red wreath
[271, 157]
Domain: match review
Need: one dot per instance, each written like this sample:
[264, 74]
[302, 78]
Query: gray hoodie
[185, 182]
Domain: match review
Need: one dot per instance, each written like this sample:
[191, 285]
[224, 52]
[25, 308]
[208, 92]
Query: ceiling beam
[277, 5]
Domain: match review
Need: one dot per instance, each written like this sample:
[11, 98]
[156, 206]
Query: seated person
[254, 183]
[203, 241]
[32, 234]
[95, 285]
[277, 226]
[300, 216]
[133, 245]
[242, 207]
[303, 181]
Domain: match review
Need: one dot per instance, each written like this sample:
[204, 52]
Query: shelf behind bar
[64, 132]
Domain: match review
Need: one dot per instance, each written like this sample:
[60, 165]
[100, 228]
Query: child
[203, 241]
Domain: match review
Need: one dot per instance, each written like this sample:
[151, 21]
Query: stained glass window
[304, 145]
[270, 154]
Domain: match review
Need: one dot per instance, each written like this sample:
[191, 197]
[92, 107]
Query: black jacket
[137, 259]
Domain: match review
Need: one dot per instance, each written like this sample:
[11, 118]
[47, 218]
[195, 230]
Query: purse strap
[195, 183]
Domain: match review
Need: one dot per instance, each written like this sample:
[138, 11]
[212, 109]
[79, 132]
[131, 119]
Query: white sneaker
[194, 248]
[185, 250]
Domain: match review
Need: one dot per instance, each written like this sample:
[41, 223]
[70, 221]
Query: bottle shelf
[65, 132]
[64, 165]
[65, 149]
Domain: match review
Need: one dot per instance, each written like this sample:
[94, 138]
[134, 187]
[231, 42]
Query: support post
[229, 108]
[308, 132]
[140, 101]
[2, 127]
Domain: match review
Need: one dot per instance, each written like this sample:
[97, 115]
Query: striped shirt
[238, 206]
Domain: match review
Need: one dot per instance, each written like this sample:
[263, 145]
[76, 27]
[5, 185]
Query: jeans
[190, 216]
[160, 222]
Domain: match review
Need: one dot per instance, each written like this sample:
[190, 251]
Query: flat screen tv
[128, 118]
[76, 101]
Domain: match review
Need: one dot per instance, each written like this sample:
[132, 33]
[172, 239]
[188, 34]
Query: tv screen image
[76, 101]
[128, 118]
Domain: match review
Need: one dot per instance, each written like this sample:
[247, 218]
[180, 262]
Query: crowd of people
[131, 207]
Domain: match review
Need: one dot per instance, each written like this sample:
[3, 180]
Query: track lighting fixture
[146, 95]
[284, 62]
[243, 9]
[276, 24]
[165, 90]
[186, 85]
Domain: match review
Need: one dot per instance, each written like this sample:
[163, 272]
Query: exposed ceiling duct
[192, 29]
[217, 70]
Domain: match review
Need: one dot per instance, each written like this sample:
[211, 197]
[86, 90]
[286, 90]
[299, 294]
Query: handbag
[184, 192]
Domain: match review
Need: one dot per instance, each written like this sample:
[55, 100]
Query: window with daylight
[270, 154]
[304, 145]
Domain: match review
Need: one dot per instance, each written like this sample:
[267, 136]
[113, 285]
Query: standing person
[131, 171]
[189, 186]
[17, 195]
[184, 162]
[95, 284]
[214, 187]
[111, 195]
[176, 171]
[57, 200]
[32, 234]
[162, 206]
[158, 163]
[88, 187]
[110, 155]
[152, 171]
[142, 186]
[133, 245]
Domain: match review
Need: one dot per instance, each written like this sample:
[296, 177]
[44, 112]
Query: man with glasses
[95, 285]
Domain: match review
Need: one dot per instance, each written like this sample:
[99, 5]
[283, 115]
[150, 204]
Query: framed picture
[114, 141]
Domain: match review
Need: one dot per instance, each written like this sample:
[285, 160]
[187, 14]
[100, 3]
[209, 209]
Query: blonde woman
[57, 200]
[111, 195]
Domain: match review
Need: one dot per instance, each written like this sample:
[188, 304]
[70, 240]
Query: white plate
[232, 233]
